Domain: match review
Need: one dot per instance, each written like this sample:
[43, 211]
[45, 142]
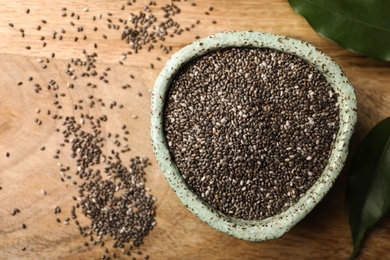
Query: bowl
[277, 225]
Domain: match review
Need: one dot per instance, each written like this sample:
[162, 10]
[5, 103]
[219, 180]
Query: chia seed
[111, 195]
[250, 130]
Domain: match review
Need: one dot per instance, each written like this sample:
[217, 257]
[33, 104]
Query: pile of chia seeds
[251, 130]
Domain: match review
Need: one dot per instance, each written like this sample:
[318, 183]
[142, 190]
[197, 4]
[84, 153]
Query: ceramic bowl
[277, 225]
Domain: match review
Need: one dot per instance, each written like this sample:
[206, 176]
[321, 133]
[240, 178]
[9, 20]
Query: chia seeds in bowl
[251, 130]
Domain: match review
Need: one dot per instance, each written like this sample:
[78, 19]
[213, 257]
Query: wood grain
[323, 234]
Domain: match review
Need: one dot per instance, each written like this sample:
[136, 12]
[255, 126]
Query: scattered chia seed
[144, 31]
[118, 216]
[57, 210]
[250, 130]
[129, 217]
[15, 211]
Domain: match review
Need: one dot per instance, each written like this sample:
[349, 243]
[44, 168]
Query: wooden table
[28, 172]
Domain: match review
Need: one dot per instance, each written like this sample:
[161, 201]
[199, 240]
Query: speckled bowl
[275, 226]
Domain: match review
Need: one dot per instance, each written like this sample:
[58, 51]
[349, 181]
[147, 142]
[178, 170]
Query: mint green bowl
[275, 226]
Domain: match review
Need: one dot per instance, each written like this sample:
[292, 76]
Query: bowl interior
[277, 225]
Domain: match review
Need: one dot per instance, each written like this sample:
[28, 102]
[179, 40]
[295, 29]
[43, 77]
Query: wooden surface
[323, 234]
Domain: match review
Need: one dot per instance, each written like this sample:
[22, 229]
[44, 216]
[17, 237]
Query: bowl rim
[277, 225]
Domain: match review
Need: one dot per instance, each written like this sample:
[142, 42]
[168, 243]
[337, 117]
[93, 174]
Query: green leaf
[368, 192]
[361, 26]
